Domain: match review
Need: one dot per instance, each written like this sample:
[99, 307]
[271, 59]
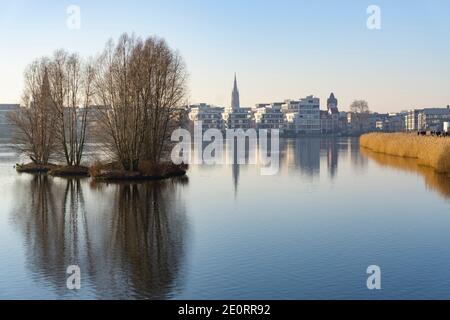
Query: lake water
[227, 232]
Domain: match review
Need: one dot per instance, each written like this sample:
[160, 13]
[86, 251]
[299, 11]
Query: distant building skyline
[402, 66]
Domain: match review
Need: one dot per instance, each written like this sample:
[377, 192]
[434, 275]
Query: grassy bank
[429, 151]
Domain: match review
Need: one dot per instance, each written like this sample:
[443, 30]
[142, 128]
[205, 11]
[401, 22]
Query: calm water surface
[227, 232]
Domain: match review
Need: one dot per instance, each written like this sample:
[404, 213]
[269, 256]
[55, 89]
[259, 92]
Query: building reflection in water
[236, 159]
[128, 239]
[331, 150]
[359, 162]
[437, 182]
[308, 156]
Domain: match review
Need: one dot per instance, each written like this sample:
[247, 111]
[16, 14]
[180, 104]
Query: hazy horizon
[279, 49]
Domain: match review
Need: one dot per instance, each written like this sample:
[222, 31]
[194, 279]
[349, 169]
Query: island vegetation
[128, 98]
[430, 151]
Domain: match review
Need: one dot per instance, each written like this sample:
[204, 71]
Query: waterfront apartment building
[447, 127]
[412, 120]
[392, 122]
[290, 122]
[433, 119]
[303, 116]
[290, 106]
[235, 117]
[269, 116]
[211, 116]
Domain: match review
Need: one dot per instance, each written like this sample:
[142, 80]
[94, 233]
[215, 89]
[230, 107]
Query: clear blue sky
[279, 49]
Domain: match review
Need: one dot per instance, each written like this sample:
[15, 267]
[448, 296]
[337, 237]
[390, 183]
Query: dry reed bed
[429, 151]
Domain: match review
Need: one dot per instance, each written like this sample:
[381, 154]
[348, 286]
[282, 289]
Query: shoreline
[429, 151]
[104, 172]
[439, 182]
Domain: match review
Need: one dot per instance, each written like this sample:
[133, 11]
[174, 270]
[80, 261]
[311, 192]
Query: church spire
[235, 104]
[332, 104]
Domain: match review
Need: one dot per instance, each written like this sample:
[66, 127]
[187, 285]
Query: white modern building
[433, 119]
[303, 116]
[392, 122]
[412, 120]
[269, 116]
[290, 122]
[210, 116]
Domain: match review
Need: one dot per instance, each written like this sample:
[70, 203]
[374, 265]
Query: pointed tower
[332, 104]
[235, 104]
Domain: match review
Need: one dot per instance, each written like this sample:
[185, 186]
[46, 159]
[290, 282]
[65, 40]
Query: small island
[34, 167]
[128, 100]
[145, 171]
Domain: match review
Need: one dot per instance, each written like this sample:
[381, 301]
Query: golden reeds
[429, 151]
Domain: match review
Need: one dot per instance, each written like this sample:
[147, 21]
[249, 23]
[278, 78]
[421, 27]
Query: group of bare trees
[71, 82]
[53, 121]
[137, 86]
[142, 83]
[35, 124]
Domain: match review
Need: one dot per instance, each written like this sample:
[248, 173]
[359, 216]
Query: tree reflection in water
[128, 239]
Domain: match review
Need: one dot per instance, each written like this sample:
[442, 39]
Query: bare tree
[361, 113]
[122, 119]
[141, 84]
[35, 122]
[359, 106]
[166, 74]
[71, 82]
